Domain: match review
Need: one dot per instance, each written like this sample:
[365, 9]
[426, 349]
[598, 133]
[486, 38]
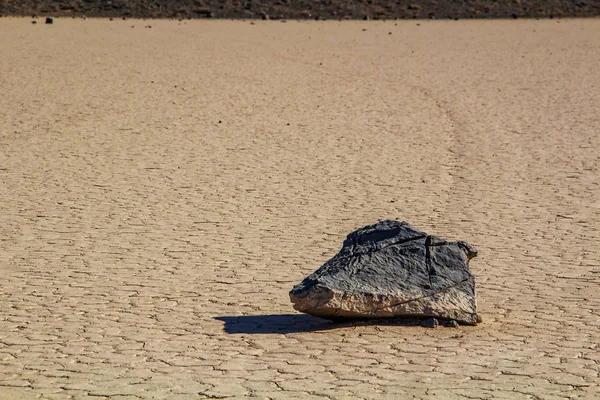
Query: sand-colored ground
[162, 189]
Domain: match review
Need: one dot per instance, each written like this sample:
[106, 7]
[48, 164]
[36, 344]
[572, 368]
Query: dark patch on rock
[390, 269]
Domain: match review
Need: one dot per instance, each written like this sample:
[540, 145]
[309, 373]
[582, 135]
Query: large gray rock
[391, 269]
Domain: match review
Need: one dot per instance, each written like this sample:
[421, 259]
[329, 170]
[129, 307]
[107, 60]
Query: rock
[391, 269]
[430, 323]
[453, 324]
[49, 20]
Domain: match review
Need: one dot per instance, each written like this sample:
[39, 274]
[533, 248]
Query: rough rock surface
[391, 269]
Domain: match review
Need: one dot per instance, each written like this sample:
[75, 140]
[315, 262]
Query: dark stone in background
[305, 9]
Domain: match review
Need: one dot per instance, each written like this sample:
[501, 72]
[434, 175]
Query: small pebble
[430, 323]
[452, 324]
[49, 20]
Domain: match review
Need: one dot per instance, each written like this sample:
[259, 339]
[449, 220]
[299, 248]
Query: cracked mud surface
[163, 189]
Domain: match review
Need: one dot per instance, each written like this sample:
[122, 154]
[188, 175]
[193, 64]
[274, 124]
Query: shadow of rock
[296, 323]
[274, 323]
